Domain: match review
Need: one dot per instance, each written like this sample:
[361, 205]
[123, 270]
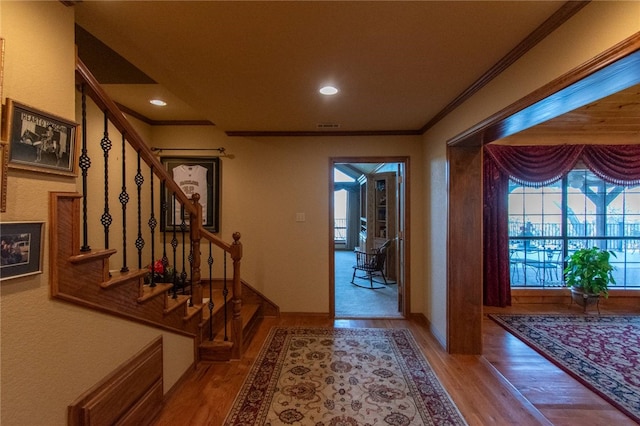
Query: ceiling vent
[322, 126]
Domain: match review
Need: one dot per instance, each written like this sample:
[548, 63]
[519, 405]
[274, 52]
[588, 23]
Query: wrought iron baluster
[152, 226]
[139, 179]
[84, 163]
[174, 246]
[165, 259]
[190, 258]
[105, 144]
[210, 262]
[124, 200]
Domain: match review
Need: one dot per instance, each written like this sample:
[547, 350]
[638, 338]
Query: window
[340, 207]
[549, 222]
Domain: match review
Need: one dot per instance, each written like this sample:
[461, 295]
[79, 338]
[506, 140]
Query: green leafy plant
[589, 270]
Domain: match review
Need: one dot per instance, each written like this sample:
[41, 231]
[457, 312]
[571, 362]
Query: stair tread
[218, 303]
[149, 292]
[217, 344]
[247, 313]
[193, 311]
[175, 303]
[92, 255]
[123, 277]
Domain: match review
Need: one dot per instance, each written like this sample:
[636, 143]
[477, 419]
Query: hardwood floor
[560, 398]
[510, 385]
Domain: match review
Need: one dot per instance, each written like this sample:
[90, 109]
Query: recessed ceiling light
[157, 102]
[328, 90]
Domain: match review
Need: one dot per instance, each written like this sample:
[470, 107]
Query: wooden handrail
[192, 207]
[104, 102]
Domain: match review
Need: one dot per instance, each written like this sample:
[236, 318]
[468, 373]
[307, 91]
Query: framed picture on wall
[21, 249]
[3, 176]
[39, 141]
[193, 175]
[3, 144]
[1, 78]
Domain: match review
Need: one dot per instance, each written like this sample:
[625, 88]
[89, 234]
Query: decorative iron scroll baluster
[152, 227]
[139, 179]
[174, 246]
[210, 262]
[124, 200]
[105, 144]
[84, 163]
[225, 293]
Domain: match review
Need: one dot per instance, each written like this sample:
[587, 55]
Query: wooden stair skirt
[217, 349]
[255, 306]
[84, 279]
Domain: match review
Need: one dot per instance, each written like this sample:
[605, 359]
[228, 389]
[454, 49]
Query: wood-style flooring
[509, 385]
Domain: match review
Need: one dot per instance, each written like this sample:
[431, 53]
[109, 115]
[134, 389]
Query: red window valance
[537, 166]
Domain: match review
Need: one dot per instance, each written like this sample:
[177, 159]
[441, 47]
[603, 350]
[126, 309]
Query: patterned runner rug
[342, 377]
[602, 352]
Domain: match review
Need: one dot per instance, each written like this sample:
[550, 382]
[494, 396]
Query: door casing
[403, 245]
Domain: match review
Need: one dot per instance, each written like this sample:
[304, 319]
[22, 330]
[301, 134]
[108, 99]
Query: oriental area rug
[342, 377]
[602, 352]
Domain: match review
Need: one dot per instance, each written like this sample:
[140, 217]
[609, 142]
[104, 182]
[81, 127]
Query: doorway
[368, 208]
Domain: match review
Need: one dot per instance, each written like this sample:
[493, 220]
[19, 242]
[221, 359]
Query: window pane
[597, 214]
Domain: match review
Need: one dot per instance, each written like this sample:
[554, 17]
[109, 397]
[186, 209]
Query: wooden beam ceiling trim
[616, 66]
[259, 133]
[565, 12]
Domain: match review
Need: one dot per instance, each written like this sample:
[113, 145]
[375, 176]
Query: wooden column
[464, 251]
[236, 324]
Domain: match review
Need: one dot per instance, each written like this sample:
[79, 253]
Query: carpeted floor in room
[352, 301]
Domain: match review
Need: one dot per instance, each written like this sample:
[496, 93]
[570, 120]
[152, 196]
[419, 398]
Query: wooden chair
[371, 264]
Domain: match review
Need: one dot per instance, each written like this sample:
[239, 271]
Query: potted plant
[588, 275]
[161, 271]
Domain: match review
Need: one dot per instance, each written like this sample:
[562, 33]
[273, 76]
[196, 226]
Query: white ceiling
[257, 66]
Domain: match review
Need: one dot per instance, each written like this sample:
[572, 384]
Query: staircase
[222, 323]
[215, 345]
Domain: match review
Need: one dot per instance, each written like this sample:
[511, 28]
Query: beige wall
[51, 351]
[593, 30]
[46, 343]
[267, 182]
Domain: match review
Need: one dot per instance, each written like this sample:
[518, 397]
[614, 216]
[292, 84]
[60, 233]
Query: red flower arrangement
[161, 272]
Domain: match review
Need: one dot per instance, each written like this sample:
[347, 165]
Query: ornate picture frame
[21, 248]
[39, 141]
[3, 176]
[191, 173]
[3, 143]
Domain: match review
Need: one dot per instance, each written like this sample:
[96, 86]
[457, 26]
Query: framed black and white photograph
[3, 144]
[193, 175]
[3, 176]
[21, 249]
[1, 77]
[39, 141]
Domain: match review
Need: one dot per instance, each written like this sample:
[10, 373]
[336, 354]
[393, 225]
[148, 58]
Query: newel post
[195, 220]
[236, 255]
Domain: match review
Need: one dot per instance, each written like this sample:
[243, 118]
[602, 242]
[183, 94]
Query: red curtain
[536, 166]
[618, 164]
[495, 235]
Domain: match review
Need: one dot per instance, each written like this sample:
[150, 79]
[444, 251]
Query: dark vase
[584, 299]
